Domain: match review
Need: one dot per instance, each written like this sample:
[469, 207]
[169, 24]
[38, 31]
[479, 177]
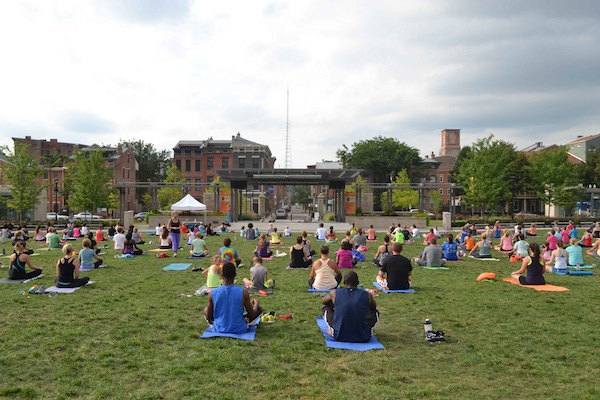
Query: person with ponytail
[533, 264]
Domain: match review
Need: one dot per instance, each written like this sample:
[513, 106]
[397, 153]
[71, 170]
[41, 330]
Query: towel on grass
[8, 281]
[372, 344]
[378, 286]
[177, 267]
[540, 288]
[434, 268]
[484, 259]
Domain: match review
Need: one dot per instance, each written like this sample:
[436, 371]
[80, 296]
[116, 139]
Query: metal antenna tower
[288, 145]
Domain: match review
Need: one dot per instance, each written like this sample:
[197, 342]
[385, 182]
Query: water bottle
[427, 325]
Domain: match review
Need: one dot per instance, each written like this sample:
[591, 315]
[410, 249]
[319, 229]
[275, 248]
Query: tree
[589, 171]
[21, 172]
[381, 157]
[168, 196]
[485, 170]
[554, 178]
[153, 163]
[88, 181]
[401, 197]
[302, 196]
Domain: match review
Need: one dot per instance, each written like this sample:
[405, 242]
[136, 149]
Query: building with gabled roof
[579, 147]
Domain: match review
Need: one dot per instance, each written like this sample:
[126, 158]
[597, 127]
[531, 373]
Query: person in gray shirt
[431, 256]
[360, 239]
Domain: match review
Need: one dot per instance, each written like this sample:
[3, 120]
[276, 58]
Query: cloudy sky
[85, 71]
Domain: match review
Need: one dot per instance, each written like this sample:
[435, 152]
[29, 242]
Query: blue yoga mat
[372, 344]
[571, 272]
[319, 290]
[249, 335]
[393, 291]
[177, 267]
[582, 266]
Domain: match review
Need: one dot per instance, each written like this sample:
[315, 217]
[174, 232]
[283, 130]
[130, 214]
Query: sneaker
[197, 269]
[440, 336]
[431, 337]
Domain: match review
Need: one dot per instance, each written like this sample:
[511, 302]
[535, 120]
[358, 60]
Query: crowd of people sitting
[561, 249]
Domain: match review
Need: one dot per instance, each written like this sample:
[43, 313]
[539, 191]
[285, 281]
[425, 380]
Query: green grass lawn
[130, 335]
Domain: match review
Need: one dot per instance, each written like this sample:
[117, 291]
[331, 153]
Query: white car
[51, 216]
[86, 216]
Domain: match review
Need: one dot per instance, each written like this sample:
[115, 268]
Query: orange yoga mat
[540, 288]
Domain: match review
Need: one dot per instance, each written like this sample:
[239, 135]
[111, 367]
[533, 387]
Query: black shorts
[523, 281]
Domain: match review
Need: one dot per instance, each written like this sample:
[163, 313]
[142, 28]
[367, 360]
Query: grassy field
[131, 335]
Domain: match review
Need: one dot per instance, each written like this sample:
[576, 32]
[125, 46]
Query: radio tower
[288, 146]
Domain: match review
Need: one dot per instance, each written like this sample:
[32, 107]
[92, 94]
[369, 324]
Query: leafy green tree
[401, 197]
[381, 157]
[21, 173]
[490, 171]
[437, 204]
[152, 163]
[147, 201]
[302, 196]
[88, 180]
[170, 195]
[554, 178]
[589, 171]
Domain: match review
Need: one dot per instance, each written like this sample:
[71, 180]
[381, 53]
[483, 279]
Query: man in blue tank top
[226, 305]
[350, 312]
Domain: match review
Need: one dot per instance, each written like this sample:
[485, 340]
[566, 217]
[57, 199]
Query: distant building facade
[200, 159]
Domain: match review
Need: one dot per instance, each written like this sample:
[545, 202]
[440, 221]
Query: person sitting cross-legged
[351, 313]
[431, 256]
[395, 270]
[226, 305]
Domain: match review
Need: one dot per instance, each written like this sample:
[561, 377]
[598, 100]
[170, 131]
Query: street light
[55, 201]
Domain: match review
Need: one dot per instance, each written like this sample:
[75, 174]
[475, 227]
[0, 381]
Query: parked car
[416, 211]
[51, 216]
[281, 213]
[85, 215]
[141, 216]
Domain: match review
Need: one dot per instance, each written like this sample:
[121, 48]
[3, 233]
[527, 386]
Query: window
[209, 162]
[209, 179]
[197, 165]
[188, 165]
[46, 175]
[441, 178]
[441, 191]
[225, 162]
[198, 183]
[449, 191]
[123, 173]
[178, 164]
[127, 173]
[255, 162]
[242, 162]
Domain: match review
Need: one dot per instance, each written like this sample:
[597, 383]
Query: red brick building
[441, 166]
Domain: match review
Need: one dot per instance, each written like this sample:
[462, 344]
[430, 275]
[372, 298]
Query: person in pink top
[505, 245]
[99, 235]
[552, 240]
[343, 256]
[429, 236]
[565, 233]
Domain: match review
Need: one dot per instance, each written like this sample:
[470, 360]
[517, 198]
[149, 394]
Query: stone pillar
[262, 202]
[321, 204]
[447, 220]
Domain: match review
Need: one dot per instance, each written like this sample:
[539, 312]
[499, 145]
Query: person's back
[397, 269]
[119, 240]
[259, 275]
[433, 255]
[250, 234]
[321, 233]
[228, 310]
[198, 246]
[522, 248]
[575, 253]
[349, 321]
[87, 258]
[450, 250]
[54, 240]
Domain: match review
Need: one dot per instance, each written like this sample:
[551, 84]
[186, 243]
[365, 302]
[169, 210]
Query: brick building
[55, 156]
[440, 168]
[200, 159]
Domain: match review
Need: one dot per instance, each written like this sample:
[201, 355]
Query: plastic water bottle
[427, 325]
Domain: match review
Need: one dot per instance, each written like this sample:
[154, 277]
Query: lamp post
[55, 201]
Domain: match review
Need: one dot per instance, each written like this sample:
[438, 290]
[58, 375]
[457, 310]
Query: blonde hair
[67, 249]
[86, 243]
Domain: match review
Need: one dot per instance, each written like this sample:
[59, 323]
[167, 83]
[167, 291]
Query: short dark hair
[227, 242]
[432, 241]
[258, 259]
[299, 239]
[397, 247]
[351, 279]
[228, 270]
[324, 249]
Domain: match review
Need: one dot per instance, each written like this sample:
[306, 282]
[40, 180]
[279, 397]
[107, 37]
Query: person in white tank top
[325, 273]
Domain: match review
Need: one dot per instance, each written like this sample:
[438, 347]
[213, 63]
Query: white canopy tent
[189, 203]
